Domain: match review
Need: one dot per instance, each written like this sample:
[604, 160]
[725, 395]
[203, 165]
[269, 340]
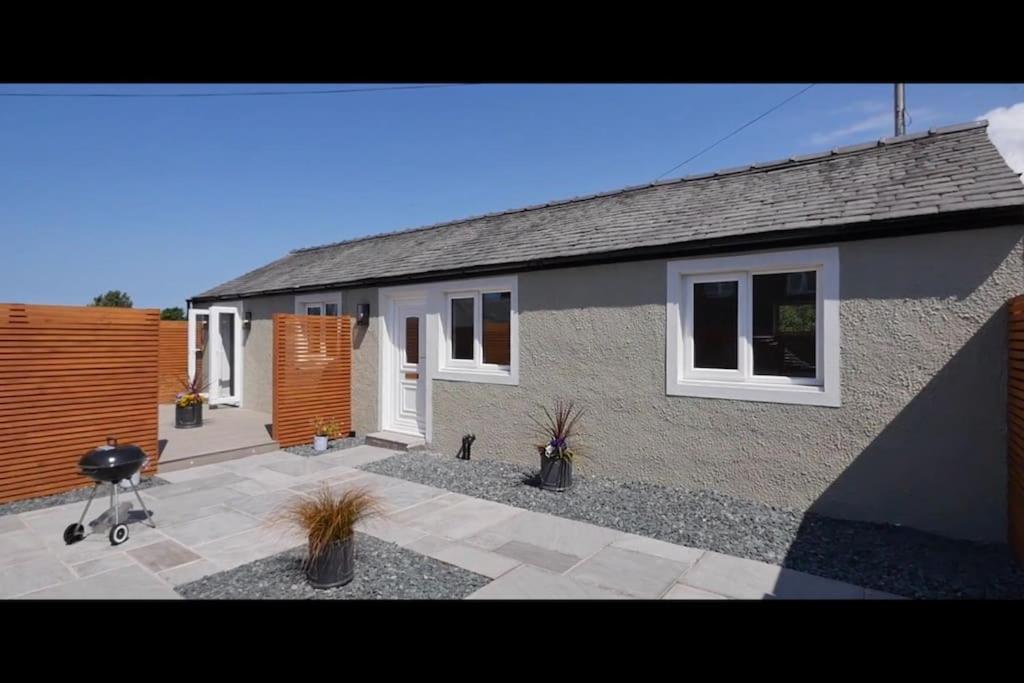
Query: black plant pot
[555, 473]
[335, 567]
[189, 416]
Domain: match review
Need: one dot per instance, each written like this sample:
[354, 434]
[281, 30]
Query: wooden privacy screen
[173, 358]
[1015, 429]
[312, 375]
[70, 377]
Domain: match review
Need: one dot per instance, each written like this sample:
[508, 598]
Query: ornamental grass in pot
[188, 403]
[560, 431]
[329, 523]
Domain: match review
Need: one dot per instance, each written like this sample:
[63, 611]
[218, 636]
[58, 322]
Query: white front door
[215, 344]
[408, 414]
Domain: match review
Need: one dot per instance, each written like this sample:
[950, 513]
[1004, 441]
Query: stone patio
[215, 517]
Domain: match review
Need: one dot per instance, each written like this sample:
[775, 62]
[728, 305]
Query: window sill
[477, 375]
[749, 391]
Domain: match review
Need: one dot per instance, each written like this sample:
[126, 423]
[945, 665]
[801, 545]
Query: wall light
[362, 314]
[247, 321]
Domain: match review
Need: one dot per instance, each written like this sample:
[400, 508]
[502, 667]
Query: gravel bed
[307, 450]
[73, 496]
[384, 571]
[881, 556]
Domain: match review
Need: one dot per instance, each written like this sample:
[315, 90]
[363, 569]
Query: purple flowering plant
[560, 430]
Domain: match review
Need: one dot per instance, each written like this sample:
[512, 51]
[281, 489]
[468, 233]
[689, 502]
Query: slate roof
[944, 170]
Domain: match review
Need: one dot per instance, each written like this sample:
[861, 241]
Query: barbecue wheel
[74, 533]
[119, 534]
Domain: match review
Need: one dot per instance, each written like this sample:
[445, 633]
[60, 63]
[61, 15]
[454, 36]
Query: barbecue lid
[112, 455]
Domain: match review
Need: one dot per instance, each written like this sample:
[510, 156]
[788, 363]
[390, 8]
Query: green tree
[174, 313]
[115, 298]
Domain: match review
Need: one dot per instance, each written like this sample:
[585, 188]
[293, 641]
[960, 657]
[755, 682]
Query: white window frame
[683, 379]
[303, 301]
[475, 370]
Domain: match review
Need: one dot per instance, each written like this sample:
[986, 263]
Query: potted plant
[188, 404]
[560, 446]
[324, 429]
[329, 523]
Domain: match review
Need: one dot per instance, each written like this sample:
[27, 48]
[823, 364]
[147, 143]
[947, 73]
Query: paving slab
[102, 564]
[681, 591]
[626, 571]
[537, 556]
[476, 560]
[214, 481]
[210, 528]
[389, 530]
[193, 473]
[465, 519]
[407, 494]
[162, 555]
[556, 533]
[488, 540]
[359, 455]
[267, 505]
[300, 467]
[187, 573]
[126, 583]
[248, 546]
[31, 575]
[652, 546]
[531, 583]
[738, 577]
[11, 523]
[19, 546]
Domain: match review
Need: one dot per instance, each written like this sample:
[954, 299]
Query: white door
[198, 344]
[408, 414]
[215, 342]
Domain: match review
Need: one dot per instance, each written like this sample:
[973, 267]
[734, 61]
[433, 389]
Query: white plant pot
[319, 443]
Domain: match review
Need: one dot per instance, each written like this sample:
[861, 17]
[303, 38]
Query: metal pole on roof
[900, 111]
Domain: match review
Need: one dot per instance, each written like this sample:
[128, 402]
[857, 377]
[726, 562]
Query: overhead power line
[745, 125]
[257, 93]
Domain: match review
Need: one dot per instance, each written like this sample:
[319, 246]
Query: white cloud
[876, 125]
[1006, 130]
[877, 122]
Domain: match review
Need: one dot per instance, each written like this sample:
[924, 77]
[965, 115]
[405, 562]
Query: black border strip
[898, 227]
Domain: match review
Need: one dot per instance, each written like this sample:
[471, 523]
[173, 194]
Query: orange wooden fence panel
[70, 377]
[173, 357]
[312, 375]
[1015, 428]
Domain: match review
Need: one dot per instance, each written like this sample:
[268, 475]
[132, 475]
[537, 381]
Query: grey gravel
[307, 450]
[880, 556]
[383, 571]
[75, 495]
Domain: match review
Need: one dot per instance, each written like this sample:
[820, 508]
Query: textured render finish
[258, 350]
[365, 360]
[919, 439]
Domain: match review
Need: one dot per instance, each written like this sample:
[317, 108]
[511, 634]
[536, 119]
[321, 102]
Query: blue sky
[164, 198]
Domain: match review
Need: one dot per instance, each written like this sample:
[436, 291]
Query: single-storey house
[826, 332]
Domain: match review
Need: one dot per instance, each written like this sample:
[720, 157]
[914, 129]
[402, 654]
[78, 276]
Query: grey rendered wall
[258, 350]
[364, 360]
[919, 439]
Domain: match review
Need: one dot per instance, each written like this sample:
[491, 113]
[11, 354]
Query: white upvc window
[318, 303]
[479, 331]
[755, 327]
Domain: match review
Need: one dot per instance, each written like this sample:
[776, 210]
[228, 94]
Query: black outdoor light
[467, 446]
[362, 314]
[248, 319]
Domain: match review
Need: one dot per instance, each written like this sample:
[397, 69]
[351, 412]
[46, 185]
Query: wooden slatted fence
[69, 378]
[173, 358]
[1015, 428]
[312, 375]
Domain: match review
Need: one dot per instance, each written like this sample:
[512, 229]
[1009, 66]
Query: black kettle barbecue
[110, 464]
